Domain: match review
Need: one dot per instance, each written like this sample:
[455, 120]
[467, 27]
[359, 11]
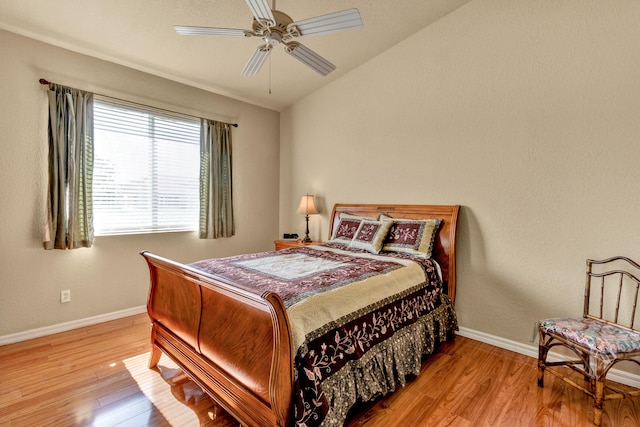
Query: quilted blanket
[360, 322]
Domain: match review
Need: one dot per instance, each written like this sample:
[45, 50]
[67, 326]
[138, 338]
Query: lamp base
[306, 231]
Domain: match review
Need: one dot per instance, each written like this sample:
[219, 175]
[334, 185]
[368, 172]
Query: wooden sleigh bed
[239, 344]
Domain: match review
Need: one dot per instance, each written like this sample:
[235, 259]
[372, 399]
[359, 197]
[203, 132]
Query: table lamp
[307, 207]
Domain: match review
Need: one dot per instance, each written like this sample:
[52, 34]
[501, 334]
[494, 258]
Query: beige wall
[111, 276]
[526, 113]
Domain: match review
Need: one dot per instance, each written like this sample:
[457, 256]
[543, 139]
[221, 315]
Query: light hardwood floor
[98, 376]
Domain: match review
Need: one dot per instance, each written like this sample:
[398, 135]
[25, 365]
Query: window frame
[156, 203]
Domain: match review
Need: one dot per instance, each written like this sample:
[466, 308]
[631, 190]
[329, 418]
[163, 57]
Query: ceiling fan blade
[261, 11]
[309, 58]
[209, 31]
[256, 60]
[325, 24]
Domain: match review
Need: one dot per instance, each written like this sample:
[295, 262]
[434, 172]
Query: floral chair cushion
[598, 336]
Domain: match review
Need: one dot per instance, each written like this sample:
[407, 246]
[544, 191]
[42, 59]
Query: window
[146, 170]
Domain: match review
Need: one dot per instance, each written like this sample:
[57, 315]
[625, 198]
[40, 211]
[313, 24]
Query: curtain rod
[46, 82]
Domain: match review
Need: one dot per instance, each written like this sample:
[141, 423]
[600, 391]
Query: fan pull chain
[269, 74]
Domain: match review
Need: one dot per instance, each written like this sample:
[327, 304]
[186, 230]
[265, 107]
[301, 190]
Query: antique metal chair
[604, 336]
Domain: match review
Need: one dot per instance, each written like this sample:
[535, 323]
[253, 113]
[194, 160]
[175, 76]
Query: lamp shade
[307, 205]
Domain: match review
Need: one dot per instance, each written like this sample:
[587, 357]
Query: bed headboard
[445, 247]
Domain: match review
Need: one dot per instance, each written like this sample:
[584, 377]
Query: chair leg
[599, 400]
[540, 373]
[542, 357]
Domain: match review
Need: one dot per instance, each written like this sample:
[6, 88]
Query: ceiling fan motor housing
[273, 34]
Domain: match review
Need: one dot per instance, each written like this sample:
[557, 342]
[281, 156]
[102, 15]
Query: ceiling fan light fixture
[274, 38]
[309, 58]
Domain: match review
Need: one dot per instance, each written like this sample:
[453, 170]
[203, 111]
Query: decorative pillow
[347, 227]
[411, 236]
[344, 232]
[370, 235]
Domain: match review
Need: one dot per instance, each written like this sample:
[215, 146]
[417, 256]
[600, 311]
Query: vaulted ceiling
[140, 34]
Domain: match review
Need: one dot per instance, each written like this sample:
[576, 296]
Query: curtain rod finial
[43, 82]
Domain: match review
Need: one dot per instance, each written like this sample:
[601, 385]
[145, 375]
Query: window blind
[146, 170]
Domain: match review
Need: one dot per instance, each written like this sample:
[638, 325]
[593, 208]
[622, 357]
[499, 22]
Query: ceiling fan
[275, 28]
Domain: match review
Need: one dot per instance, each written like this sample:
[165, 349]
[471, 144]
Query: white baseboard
[67, 326]
[616, 375]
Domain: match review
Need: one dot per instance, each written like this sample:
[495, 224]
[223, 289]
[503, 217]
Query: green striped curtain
[216, 202]
[69, 222]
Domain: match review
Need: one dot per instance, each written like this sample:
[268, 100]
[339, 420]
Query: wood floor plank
[98, 376]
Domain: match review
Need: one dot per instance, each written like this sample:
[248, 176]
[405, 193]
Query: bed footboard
[233, 341]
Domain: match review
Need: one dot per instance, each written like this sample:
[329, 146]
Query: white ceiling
[139, 34]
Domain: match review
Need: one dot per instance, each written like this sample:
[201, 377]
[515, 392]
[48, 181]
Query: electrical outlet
[65, 296]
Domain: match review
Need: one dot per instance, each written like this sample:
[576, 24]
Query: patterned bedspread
[360, 322]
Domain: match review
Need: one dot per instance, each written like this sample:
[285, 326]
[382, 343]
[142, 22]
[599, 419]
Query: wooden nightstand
[285, 244]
